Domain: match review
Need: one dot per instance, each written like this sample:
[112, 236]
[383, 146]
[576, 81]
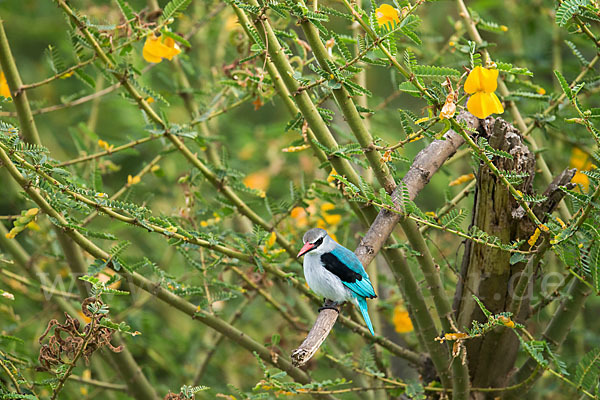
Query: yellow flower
[149, 100]
[85, 318]
[481, 84]
[386, 14]
[533, 239]
[581, 161]
[328, 219]
[33, 226]
[386, 157]
[455, 336]
[462, 179]
[506, 321]
[32, 212]
[295, 149]
[258, 181]
[158, 47]
[330, 177]
[133, 180]
[541, 90]
[4, 90]
[402, 322]
[105, 145]
[231, 23]
[482, 80]
[10, 235]
[271, 240]
[300, 215]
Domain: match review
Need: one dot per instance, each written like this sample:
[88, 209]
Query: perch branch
[317, 335]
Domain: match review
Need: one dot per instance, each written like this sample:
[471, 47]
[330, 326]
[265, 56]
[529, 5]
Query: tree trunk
[487, 272]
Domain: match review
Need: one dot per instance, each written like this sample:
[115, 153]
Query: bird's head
[317, 241]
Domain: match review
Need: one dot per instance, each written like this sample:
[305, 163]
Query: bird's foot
[329, 308]
[329, 305]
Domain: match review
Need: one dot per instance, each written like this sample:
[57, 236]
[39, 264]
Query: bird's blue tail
[362, 305]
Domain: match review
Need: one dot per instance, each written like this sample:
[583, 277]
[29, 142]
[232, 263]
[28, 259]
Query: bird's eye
[318, 242]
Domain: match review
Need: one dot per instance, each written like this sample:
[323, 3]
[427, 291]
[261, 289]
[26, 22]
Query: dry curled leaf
[67, 340]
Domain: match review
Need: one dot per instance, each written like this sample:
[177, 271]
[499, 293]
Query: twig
[97, 383]
[10, 375]
[119, 192]
[111, 151]
[268, 298]
[47, 289]
[81, 100]
[452, 203]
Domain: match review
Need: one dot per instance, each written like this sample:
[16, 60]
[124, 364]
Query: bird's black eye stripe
[318, 242]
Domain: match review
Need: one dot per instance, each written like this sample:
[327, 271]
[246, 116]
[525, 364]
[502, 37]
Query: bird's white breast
[323, 282]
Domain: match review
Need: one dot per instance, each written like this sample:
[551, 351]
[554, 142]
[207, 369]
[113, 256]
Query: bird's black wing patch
[339, 269]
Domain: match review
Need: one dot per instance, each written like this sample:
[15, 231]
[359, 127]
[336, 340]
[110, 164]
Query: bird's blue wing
[349, 259]
[344, 264]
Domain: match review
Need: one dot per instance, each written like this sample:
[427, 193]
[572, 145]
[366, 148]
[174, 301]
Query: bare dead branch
[316, 336]
[426, 163]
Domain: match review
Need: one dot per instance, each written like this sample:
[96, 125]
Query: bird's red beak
[305, 249]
